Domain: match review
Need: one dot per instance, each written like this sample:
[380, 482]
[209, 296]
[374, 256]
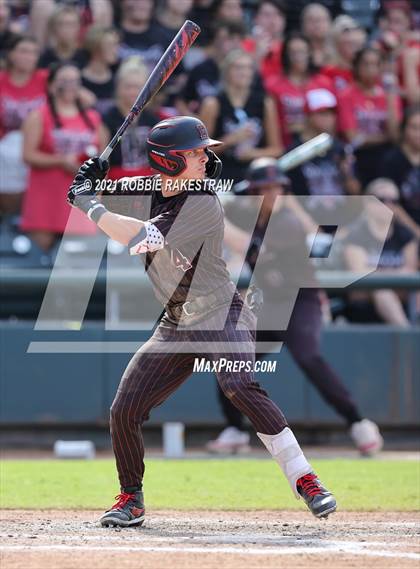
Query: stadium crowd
[264, 76]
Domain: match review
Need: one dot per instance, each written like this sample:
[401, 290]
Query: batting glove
[213, 165]
[82, 193]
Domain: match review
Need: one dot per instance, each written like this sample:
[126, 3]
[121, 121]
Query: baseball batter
[179, 235]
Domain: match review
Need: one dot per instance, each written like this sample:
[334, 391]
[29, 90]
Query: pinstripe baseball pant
[155, 372]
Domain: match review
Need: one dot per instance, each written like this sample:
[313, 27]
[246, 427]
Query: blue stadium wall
[380, 365]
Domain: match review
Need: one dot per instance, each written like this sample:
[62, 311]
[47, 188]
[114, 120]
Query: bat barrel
[317, 146]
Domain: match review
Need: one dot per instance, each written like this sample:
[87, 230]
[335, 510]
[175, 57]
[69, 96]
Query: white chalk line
[133, 535]
[341, 549]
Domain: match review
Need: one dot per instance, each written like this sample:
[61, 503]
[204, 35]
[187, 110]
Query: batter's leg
[149, 379]
[269, 422]
[232, 415]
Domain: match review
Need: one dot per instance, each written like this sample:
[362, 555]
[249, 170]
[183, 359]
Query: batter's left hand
[81, 193]
[94, 169]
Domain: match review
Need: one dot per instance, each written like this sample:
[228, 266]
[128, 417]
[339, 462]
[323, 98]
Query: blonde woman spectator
[242, 117]
[58, 137]
[63, 34]
[129, 157]
[97, 12]
[347, 39]
[399, 256]
[316, 27]
[98, 74]
[23, 88]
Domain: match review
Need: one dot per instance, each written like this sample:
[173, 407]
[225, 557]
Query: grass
[369, 485]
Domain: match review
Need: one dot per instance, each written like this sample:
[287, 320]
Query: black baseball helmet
[262, 172]
[167, 138]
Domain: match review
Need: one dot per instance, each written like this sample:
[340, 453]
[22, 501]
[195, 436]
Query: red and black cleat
[317, 498]
[127, 511]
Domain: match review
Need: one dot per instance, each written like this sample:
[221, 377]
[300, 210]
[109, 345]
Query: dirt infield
[208, 540]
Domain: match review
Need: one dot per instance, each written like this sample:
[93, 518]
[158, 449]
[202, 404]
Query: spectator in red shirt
[316, 27]
[267, 37]
[410, 69]
[347, 39]
[398, 18]
[288, 89]
[369, 113]
[57, 138]
[22, 89]
[401, 44]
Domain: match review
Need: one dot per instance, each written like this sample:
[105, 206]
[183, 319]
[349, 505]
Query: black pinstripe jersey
[190, 262]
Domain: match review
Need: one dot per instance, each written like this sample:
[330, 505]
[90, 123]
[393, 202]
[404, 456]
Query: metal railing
[22, 290]
[35, 281]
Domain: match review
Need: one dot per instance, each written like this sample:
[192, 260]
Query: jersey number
[179, 260]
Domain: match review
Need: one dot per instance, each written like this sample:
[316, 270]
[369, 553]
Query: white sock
[286, 451]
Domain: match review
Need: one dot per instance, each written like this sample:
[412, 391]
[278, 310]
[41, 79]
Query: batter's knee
[230, 387]
[236, 388]
[124, 412]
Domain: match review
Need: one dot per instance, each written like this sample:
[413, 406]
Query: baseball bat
[316, 146]
[164, 68]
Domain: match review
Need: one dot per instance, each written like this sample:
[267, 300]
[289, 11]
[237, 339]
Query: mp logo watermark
[282, 262]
